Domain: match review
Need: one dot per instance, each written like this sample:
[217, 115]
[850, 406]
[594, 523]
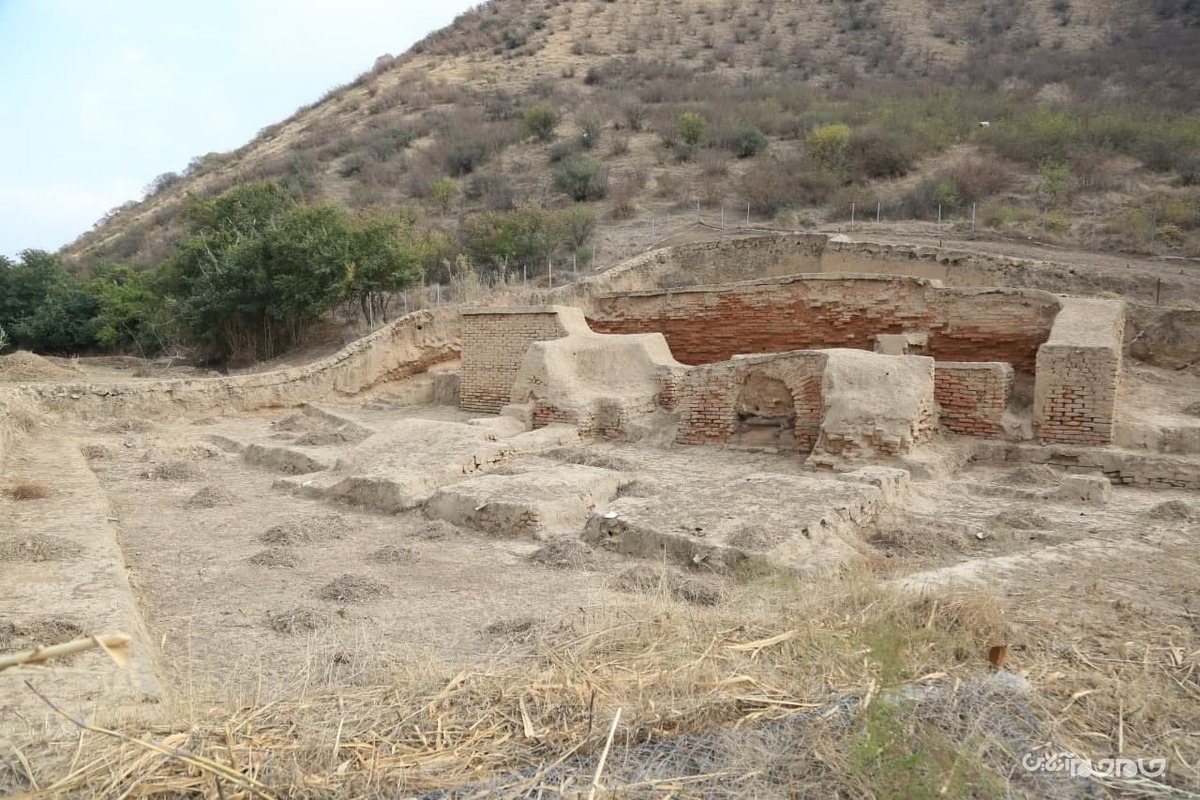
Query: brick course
[972, 397]
[493, 343]
[704, 325]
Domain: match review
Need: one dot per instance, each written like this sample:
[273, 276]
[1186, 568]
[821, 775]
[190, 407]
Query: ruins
[766, 400]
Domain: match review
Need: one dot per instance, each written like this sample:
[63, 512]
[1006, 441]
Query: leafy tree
[256, 270]
[443, 193]
[128, 306]
[42, 304]
[828, 145]
[691, 128]
[540, 121]
[387, 255]
[527, 235]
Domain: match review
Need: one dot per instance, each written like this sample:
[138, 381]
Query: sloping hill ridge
[442, 125]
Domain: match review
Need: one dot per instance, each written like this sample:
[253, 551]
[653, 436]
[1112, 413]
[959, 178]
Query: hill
[1093, 133]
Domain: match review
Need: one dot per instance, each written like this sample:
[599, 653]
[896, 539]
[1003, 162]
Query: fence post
[878, 208]
[747, 215]
[525, 275]
[939, 220]
[972, 217]
[550, 270]
[439, 295]
[575, 265]
[722, 215]
[697, 209]
[851, 216]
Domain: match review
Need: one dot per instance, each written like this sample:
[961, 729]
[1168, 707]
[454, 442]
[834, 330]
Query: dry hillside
[1105, 87]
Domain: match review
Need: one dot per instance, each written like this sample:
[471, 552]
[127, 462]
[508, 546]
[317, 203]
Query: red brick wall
[972, 397]
[706, 325]
[707, 398]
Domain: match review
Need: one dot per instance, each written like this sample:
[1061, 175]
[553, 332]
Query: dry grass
[297, 620]
[855, 690]
[211, 496]
[27, 490]
[174, 470]
[276, 557]
[318, 528]
[393, 554]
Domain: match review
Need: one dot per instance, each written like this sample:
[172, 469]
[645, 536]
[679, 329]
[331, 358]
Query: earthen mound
[1178, 510]
[35, 548]
[174, 470]
[394, 554]
[15, 637]
[328, 438]
[25, 367]
[211, 497]
[651, 580]
[1033, 475]
[353, 589]
[297, 620]
[1023, 519]
[564, 554]
[276, 557]
[306, 531]
[438, 529]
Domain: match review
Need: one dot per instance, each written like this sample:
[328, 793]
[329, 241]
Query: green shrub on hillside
[690, 127]
[829, 145]
[581, 178]
[541, 120]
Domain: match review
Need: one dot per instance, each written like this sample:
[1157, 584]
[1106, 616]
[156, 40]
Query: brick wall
[703, 325]
[721, 403]
[972, 397]
[1078, 372]
[494, 342]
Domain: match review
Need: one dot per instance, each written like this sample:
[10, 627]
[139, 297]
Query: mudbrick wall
[972, 397]
[1122, 467]
[494, 341]
[772, 400]
[713, 323]
[1078, 372]
[406, 347]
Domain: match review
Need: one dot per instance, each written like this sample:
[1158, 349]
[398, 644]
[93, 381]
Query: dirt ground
[239, 586]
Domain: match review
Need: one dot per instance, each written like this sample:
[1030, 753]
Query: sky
[97, 97]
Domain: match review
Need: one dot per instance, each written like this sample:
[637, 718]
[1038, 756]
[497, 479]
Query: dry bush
[211, 497]
[38, 633]
[126, 426]
[664, 582]
[94, 452]
[28, 490]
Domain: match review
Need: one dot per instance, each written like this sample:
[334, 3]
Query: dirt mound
[437, 529]
[27, 490]
[1178, 510]
[192, 451]
[587, 458]
[15, 637]
[212, 496]
[1033, 475]
[126, 426]
[295, 423]
[1023, 519]
[393, 554]
[276, 557]
[637, 488]
[173, 470]
[297, 620]
[206, 421]
[756, 538]
[564, 554]
[25, 367]
[651, 580]
[328, 438]
[1193, 410]
[517, 628]
[353, 589]
[35, 548]
[306, 531]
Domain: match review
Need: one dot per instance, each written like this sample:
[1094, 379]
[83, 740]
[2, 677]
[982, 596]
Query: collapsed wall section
[973, 396]
[707, 324]
[494, 341]
[1078, 373]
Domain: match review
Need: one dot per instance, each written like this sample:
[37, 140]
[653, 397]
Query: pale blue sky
[100, 96]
